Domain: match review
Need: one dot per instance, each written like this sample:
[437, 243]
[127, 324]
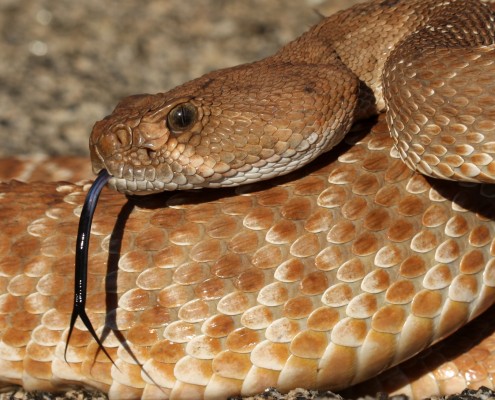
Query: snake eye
[182, 117]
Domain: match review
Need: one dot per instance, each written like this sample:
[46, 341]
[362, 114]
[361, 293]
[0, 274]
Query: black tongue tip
[81, 269]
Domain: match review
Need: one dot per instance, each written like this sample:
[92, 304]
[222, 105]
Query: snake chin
[135, 187]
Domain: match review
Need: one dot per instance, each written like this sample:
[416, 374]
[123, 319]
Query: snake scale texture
[320, 278]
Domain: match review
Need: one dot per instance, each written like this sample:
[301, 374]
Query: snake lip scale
[325, 277]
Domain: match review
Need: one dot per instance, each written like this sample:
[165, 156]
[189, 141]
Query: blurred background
[65, 64]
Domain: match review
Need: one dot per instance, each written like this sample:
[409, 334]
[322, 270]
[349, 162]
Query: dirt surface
[64, 66]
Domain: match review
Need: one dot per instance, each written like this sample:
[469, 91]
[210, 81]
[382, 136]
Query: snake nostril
[115, 141]
[123, 137]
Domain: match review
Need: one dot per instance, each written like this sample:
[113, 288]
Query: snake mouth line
[132, 183]
[128, 180]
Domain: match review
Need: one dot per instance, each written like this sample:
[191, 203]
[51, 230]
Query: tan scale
[325, 277]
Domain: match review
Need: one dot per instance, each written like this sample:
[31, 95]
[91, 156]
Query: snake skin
[322, 278]
[360, 263]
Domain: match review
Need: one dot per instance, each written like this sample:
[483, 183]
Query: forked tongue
[81, 273]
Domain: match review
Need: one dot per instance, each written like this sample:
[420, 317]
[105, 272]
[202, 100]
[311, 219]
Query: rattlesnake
[323, 277]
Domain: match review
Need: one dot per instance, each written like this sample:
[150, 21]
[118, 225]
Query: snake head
[227, 128]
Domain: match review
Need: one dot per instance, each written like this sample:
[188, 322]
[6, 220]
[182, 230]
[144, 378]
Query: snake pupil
[181, 117]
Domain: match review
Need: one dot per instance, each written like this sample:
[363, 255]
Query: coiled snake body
[321, 278]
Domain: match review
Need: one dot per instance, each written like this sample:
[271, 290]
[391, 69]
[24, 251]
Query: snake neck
[364, 37]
